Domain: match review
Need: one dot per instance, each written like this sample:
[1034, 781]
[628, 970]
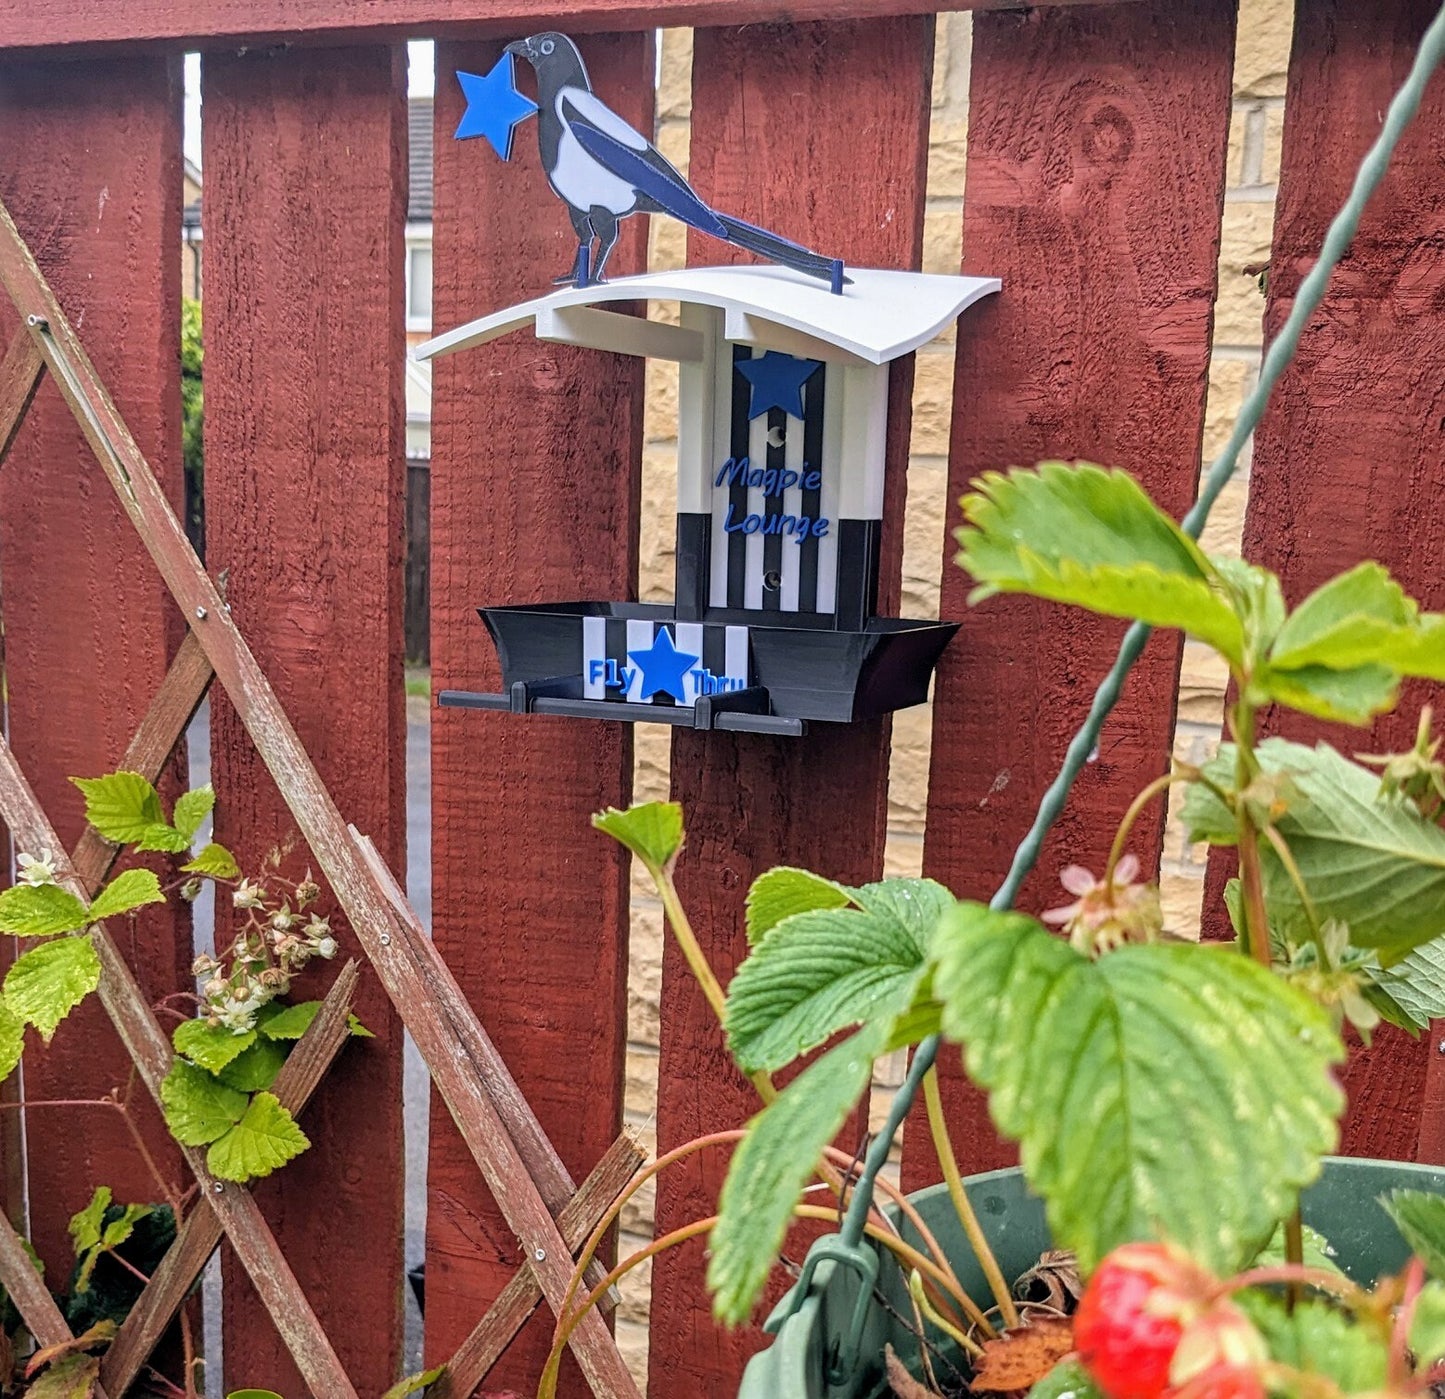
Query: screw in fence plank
[1346, 463]
[20, 373]
[306, 171]
[1095, 184]
[473, 1360]
[227, 23]
[789, 102]
[535, 478]
[201, 1232]
[465, 1081]
[91, 168]
[150, 1051]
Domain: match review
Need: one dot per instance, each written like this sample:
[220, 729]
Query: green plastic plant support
[843, 1363]
[1277, 359]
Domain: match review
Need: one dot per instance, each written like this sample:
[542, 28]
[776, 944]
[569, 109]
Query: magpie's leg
[605, 222]
[582, 226]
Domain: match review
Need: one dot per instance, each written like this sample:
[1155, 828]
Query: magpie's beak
[522, 48]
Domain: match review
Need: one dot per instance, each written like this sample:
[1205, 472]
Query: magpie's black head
[550, 53]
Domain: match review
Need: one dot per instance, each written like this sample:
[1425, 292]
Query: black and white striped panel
[767, 552]
[611, 669]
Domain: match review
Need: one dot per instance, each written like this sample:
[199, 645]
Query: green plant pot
[808, 1360]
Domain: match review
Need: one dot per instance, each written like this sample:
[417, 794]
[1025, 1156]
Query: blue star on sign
[664, 667]
[495, 109]
[777, 381]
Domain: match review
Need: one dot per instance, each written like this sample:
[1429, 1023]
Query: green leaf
[197, 1106]
[279, 1022]
[256, 1068]
[122, 806]
[70, 1377]
[85, 1227]
[253, 1394]
[651, 830]
[210, 1046]
[1318, 1251]
[213, 860]
[12, 1039]
[1420, 1218]
[266, 1137]
[1411, 992]
[1067, 1380]
[1341, 696]
[191, 810]
[1174, 1090]
[412, 1383]
[1089, 536]
[129, 889]
[772, 1165]
[40, 910]
[1318, 1339]
[820, 972]
[119, 1230]
[1427, 1327]
[782, 892]
[49, 981]
[1377, 866]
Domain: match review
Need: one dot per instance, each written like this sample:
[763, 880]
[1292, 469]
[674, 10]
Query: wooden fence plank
[1096, 170]
[90, 164]
[776, 117]
[20, 372]
[534, 479]
[305, 158]
[77, 24]
[1347, 462]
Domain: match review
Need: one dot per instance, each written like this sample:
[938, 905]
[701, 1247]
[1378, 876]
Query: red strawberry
[1151, 1318]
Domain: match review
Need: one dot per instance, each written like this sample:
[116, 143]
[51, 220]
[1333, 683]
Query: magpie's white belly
[585, 184]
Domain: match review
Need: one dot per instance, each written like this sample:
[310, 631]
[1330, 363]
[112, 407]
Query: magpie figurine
[605, 171]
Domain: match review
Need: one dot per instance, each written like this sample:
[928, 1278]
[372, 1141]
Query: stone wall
[1253, 169]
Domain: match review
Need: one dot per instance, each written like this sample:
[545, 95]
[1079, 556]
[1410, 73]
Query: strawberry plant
[1170, 1099]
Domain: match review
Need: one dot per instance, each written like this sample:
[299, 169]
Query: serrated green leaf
[412, 1383]
[773, 1163]
[1317, 1338]
[210, 1046]
[1341, 696]
[1092, 537]
[119, 1230]
[40, 910]
[49, 981]
[129, 889]
[85, 1226]
[1318, 1251]
[782, 892]
[1410, 993]
[651, 830]
[281, 1022]
[12, 1039]
[1174, 1090]
[266, 1137]
[1375, 865]
[213, 860]
[70, 1377]
[121, 806]
[163, 838]
[1427, 1326]
[197, 1106]
[256, 1068]
[191, 810]
[1067, 1380]
[1420, 1218]
[820, 972]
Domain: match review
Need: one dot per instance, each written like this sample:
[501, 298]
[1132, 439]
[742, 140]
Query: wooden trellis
[548, 1214]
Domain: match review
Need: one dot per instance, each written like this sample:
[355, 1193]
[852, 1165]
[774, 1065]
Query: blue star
[664, 667]
[777, 381]
[494, 106]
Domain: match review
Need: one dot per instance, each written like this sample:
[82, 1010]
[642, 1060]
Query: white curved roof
[879, 317]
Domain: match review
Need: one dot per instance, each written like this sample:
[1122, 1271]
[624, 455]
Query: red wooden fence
[1095, 187]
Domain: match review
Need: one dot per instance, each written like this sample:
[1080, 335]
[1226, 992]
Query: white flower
[282, 919]
[236, 1016]
[248, 895]
[36, 872]
[326, 948]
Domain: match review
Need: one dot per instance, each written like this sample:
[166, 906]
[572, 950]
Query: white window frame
[418, 238]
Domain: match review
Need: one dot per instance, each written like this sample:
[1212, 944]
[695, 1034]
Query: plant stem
[1246, 767]
[1294, 1254]
[1136, 809]
[919, 1294]
[977, 1241]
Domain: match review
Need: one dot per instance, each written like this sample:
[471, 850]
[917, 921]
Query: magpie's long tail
[783, 251]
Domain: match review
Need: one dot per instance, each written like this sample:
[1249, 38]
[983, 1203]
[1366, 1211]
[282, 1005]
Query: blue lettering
[731, 472]
[595, 671]
[812, 480]
[820, 528]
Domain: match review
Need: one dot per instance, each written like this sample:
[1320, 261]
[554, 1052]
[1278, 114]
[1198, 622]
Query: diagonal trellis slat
[20, 374]
[514, 1155]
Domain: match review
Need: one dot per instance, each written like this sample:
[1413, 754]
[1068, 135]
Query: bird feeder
[782, 428]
